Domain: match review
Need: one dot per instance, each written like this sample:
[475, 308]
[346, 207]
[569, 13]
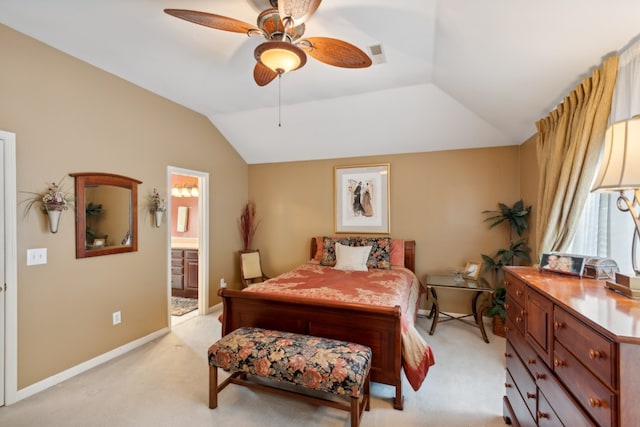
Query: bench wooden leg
[355, 412]
[213, 387]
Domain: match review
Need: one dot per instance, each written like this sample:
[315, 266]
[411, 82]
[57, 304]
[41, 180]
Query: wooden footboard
[376, 327]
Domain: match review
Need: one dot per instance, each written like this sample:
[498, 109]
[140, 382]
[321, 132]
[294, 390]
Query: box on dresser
[572, 351]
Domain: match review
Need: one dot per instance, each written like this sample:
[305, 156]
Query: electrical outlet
[117, 318]
[36, 256]
[223, 284]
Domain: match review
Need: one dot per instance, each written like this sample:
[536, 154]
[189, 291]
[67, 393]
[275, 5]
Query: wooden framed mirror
[106, 214]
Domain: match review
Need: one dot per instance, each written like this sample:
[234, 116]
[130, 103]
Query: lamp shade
[280, 57]
[620, 167]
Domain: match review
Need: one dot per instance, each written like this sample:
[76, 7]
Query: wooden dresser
[572, 352]
[184, 273]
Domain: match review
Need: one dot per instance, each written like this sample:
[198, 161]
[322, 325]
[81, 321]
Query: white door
[3, 282]
[8, 271]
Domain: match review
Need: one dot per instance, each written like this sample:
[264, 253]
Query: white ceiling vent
[377, 54]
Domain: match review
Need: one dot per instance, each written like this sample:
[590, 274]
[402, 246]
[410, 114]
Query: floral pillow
[329, 249]
[380, 255]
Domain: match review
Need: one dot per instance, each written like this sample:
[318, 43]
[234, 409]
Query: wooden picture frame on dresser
[572, 351]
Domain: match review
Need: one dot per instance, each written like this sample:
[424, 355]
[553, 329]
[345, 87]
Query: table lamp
[620, 172]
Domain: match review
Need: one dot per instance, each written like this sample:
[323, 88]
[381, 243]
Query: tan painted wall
[71, 117]
[437, 199]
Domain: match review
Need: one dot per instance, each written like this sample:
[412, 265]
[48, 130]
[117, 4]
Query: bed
[368, 319]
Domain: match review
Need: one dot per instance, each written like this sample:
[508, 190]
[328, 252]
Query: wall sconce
[620, 172]
[185, 191]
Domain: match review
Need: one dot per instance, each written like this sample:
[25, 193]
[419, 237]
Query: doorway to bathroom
[188, 231]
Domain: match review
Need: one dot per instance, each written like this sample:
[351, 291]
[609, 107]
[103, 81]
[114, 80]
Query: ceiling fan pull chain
[279, 100]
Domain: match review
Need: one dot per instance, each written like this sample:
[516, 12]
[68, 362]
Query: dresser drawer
[176, 262]
[176, 270]
[515, 313]
[564, 407]
[515, 288]
[526, 353]
[525, 419]
[588, 390]
[595, 351]
[176, 282]
[523, 380]
[191, 254]
[176, 253]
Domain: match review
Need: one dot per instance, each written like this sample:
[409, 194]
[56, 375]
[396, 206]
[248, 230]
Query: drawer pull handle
[542, 414]
[507, 283]
[531, 395]
[558, 362]
[519, 293]
[507, 329]
[507, 385]
[540, 376]
[594, 354]
[507, 306]
[519, 319]
[522, 312]
[557, 325]
[531, 361]
[595, 403]
[508, 355]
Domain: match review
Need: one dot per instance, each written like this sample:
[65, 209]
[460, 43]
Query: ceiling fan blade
[298, 10]
[218, 22]
[263, 75]
[335, 52]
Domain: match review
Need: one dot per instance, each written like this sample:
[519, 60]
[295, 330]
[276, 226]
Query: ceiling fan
[283, 27]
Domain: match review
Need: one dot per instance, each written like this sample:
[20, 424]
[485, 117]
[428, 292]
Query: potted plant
[157, 206]
[248, 224]
[516, 217]
[498, 312]
[52, 202]
[92, 210]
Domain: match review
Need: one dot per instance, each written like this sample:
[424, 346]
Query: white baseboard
[85, 366]
[216, 307]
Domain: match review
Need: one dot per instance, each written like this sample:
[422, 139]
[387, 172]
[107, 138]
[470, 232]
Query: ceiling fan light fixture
[280, 57]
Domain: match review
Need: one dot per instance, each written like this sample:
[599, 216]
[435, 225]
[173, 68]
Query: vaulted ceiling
[457, 73]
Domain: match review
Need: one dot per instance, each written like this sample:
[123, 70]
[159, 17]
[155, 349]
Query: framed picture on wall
[362, 198]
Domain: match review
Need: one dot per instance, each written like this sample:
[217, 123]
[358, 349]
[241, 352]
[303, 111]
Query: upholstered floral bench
[330, 366]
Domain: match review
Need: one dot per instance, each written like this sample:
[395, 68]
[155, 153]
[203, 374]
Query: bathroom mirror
[106, 214]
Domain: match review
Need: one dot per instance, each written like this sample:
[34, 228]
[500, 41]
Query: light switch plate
[36, 256]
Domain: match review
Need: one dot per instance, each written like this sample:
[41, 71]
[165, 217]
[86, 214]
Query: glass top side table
[448, 281]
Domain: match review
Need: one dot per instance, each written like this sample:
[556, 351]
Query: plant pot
[54, 212]
[158, 218]
[498, 327]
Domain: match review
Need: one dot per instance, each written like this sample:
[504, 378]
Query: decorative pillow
[397, 252]
[352, 258]
[319, 247]
[329, 249]
[380, 256]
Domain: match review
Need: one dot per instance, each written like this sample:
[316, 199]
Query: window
[605, 231]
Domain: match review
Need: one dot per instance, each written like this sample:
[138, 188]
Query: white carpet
[165, 383]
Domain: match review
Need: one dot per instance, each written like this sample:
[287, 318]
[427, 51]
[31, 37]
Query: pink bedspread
[398, 286]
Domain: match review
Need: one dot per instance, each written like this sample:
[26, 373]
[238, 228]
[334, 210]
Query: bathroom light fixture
[185, 190]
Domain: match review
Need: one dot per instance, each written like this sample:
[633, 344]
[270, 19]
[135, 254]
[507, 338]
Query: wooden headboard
[409, 253]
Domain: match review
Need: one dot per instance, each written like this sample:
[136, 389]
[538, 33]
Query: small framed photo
[98, 243]
[472, 270]
[563, 263]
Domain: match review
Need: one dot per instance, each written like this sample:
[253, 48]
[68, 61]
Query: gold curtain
[569, 140]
